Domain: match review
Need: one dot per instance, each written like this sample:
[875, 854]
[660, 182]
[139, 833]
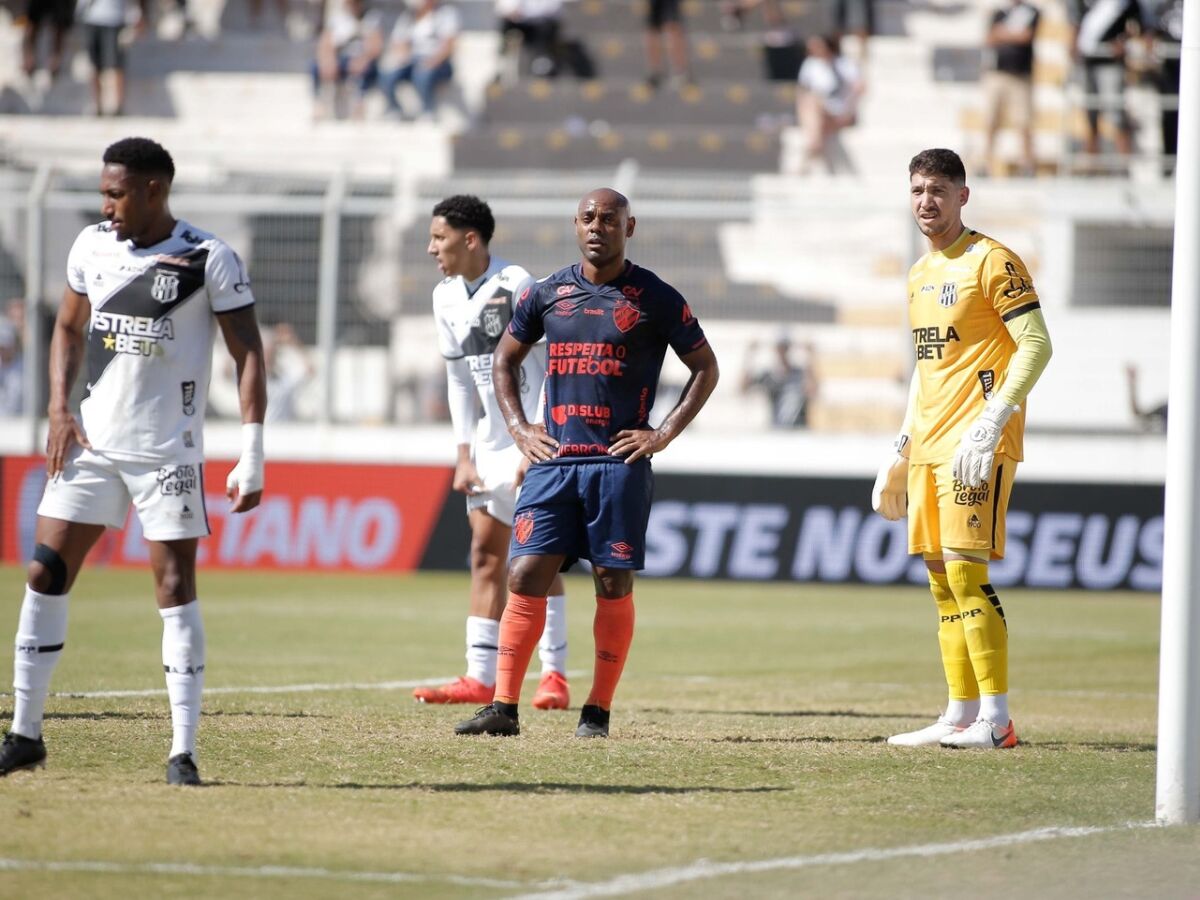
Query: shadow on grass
[517, 787]
[786, 713]
[165, 713]
[1107, 746]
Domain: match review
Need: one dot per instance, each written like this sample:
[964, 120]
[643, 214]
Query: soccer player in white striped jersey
[472, 307]
[145, 294]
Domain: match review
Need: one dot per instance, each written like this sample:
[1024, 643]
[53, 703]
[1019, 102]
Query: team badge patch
[523, 527]
[626, 315]
[166, 286]
[493, 325]
[949, 295]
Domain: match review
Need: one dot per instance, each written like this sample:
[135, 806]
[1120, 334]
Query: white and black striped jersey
[469, 327]
[150, 337]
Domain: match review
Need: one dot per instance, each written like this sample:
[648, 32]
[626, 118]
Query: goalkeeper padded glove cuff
[889, 496]
[973, 459]
[247, 475]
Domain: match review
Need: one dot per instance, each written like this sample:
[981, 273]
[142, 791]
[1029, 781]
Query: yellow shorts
[943, 513]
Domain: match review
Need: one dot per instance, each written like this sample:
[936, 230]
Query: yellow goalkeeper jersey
[959, 300]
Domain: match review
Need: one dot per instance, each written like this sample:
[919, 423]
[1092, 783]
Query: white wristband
[247, 475]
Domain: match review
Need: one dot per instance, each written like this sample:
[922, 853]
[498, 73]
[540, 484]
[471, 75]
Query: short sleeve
[1007, 284]
[679, 324]
[227, 280]
[76, 259]
[526, 325]
[448, 343]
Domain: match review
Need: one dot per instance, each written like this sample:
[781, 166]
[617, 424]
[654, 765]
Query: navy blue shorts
[585, 510]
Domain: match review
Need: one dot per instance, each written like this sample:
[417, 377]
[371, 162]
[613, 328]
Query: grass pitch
[748, 732]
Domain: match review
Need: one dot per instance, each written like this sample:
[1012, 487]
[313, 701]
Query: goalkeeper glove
[247, 476]
[973, 459]
[889, 496]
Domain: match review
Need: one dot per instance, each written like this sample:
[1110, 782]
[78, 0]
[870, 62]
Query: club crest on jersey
[166, 286]
[493, 325]
[523, 527]
[949, 295]
[626, 315]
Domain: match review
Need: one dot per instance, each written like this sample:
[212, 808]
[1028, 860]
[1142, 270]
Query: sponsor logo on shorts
[523, 527]
[968, 496]
[175, 481]
[187, 515]
[974, 522]
[620, 550]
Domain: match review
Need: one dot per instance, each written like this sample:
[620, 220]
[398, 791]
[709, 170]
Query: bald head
[602, 226]
[605, 197]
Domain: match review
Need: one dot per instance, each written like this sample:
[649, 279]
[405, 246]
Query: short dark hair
[463, 211]
[141, 156]
[938, 161]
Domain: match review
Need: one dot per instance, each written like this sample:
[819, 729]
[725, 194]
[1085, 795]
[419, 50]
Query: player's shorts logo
[949, 295]
[621, 550]
[626, 315]
[523, 527]
[974, 522]
[166, 286]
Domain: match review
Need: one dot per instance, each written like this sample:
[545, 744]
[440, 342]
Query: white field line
[704, 869]
[559, 889]
[574, 673]
[192, 869]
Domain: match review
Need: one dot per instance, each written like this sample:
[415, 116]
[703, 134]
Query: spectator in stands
[289, 368]
[1168, 34]
[348, 49]
[12, 363]
[734, 12]
[423, 41]
[856, 17]
[664, 21]
[281, 8]
[102, 21]
[534, 25]
[59, 15]
[1148, 418]
[830, 89]
[1101, 29]
[1008, 86]
[787, 381]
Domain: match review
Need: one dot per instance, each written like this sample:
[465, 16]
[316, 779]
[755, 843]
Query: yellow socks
[960, 676]
[983, 624]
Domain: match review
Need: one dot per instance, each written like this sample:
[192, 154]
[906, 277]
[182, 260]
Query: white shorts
[497, 469]
[94, 489]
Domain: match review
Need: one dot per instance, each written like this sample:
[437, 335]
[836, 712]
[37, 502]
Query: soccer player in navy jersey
[607, 325]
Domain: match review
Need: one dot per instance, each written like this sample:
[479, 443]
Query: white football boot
[982, 735]
[927, 736]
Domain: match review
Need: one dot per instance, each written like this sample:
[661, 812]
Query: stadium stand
[710, 166]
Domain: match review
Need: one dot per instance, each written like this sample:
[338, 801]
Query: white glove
[247, 475]
[973, 459]
[889, 496]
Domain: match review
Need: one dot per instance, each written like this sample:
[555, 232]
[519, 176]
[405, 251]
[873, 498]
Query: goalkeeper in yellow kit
[980, 343]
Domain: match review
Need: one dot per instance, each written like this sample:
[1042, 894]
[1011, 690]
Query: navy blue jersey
[605, 346]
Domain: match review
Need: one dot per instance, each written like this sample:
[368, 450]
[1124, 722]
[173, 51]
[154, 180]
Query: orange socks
[521, 627]
[613, 630]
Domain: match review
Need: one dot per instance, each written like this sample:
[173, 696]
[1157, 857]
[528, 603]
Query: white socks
[183, 663]
[483, 637]
[994, 708]
[552, 648]
[962, 712]
[41, 633]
